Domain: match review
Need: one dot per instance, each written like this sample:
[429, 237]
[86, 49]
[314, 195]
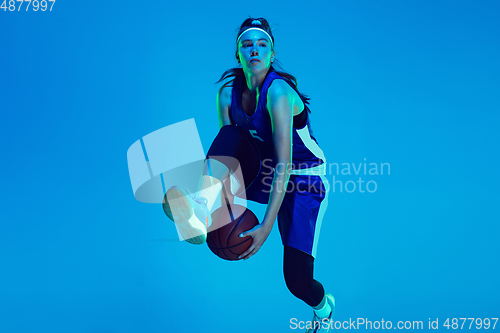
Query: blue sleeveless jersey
[307, 157]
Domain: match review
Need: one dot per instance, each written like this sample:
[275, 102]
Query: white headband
[254, 28]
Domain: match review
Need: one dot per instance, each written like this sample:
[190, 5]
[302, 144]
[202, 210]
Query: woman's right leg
[231, 159]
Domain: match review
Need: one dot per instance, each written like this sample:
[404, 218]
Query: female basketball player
[265, 130]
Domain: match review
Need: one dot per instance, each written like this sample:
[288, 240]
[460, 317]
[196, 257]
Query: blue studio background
[414, 84]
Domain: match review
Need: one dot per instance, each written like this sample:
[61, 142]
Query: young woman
[265, 133]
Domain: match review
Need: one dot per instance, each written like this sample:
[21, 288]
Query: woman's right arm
[223, 105]
[223, 108]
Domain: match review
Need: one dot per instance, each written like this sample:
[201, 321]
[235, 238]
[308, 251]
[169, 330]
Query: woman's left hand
[259, 234]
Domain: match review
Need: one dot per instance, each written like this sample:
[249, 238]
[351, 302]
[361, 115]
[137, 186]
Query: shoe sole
[192, 231]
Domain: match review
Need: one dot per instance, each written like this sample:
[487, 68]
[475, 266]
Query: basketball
[223, 235]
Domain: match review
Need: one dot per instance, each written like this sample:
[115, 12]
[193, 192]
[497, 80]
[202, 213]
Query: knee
[230, 130]
[297, 286]
[226, 141]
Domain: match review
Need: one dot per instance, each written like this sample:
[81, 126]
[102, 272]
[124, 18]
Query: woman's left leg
[298, 268]
[299, 220]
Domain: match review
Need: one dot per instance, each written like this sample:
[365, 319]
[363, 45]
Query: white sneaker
[323, 325]
[190, 214]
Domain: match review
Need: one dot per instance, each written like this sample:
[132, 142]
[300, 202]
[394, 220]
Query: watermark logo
[359, 177]
[364, 172]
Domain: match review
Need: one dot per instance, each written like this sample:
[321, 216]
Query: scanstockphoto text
[354, 177]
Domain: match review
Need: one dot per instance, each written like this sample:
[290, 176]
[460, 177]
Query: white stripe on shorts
[318, 170]
[321, 213]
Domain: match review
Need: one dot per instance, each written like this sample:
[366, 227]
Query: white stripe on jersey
[310, 144]
[313, 147]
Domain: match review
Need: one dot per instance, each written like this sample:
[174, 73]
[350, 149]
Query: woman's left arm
[280, 104]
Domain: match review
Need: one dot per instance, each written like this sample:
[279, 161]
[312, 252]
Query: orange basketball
[223, 235]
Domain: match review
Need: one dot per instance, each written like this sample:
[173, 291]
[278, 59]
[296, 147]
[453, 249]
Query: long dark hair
[237, 72]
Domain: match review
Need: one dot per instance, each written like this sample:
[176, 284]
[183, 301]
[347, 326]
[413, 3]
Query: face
[254, 51]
